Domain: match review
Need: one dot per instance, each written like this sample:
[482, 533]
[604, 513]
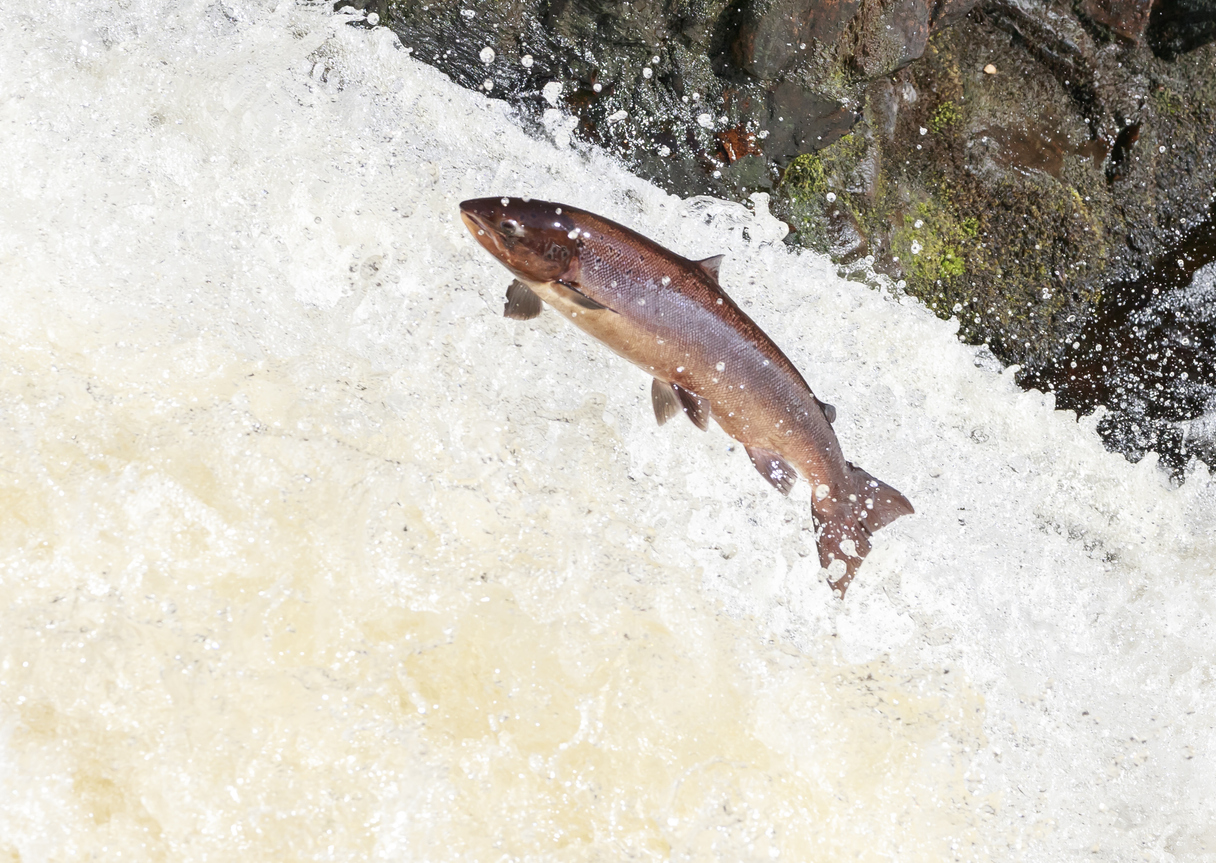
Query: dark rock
[893, 33]
[775, 33]
[799, 120]
[1127, 18]
[846, 242]
[1179, 26]
[1149, 356]
[892, 36]
[882, 108]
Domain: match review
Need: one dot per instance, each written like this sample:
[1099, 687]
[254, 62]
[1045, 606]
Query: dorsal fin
[711, 265]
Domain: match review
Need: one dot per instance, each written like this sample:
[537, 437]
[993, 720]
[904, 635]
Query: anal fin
[829, 411]
[522, 302]
[696, 407]
[773, 468]
[664, 400]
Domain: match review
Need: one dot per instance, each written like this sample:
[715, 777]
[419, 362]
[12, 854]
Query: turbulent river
[307, 553]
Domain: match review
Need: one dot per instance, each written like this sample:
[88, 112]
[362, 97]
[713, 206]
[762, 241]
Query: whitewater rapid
[307, 553]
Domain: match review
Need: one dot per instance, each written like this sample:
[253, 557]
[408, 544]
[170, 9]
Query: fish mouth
[479, 227]
[473, 220]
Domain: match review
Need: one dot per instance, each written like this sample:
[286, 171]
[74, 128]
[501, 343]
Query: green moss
[805, 176]
[802, 193]
[1167, 102]
[952, 263]
[947, 114]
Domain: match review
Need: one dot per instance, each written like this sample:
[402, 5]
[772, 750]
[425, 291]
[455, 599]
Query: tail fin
[845, 526]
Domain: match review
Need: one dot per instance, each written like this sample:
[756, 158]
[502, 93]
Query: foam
[307, 552]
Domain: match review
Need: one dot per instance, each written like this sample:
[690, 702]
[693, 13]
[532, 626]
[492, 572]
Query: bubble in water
[487, 55]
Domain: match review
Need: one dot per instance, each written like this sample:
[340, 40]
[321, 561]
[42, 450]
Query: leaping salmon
[669, 316]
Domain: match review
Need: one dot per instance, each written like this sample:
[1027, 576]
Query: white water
[307, 553]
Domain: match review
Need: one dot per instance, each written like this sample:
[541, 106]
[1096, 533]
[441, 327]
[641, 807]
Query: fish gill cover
[306, 552]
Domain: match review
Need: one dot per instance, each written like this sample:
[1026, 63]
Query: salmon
[669, 316]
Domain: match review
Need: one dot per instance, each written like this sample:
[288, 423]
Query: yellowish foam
[244, 616]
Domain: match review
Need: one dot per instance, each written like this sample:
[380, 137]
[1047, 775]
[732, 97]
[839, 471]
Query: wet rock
[1178, 26]
[893, 36]
[1127, 18]
[846, 242]
[799, 120]
[893, 33]
[773, 34]
[882, 107]
[1149, 357]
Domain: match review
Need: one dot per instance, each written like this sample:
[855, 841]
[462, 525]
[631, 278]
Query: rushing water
[307, 553]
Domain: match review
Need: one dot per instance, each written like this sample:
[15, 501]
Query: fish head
[538, 241]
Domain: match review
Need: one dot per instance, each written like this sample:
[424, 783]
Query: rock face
[1005, 162]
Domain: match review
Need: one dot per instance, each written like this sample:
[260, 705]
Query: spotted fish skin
[669, 316]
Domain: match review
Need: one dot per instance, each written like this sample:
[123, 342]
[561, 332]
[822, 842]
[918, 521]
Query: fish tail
[845, 526]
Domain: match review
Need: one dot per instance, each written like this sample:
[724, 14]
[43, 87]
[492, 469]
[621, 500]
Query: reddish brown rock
[737, 143]
[1128, 18]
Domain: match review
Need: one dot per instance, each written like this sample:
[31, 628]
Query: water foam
[306, 551]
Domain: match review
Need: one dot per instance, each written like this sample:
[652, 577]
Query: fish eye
[510, 227]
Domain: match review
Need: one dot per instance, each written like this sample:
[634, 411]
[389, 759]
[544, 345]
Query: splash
[306, 552]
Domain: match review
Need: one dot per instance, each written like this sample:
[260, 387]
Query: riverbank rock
[1005, 162]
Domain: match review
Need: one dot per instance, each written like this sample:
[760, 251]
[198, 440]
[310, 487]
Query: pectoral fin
[773, 468]
[664, 400]
[574, 295]
[522, 302]
[696, 407]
